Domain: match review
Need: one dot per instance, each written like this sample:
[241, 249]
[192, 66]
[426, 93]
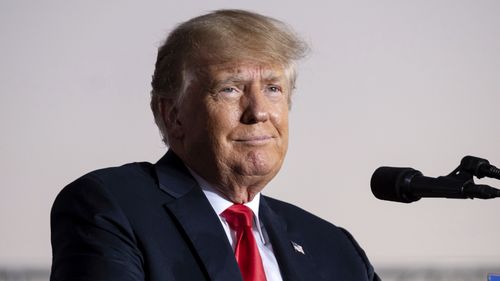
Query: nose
[255, 106]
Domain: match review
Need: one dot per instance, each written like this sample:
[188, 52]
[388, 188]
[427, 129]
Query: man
[221, 94]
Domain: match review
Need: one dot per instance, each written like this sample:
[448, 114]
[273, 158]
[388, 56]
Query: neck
[233, 185]
[239, 194]
[230, 188]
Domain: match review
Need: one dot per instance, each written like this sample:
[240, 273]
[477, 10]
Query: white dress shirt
[220, 204]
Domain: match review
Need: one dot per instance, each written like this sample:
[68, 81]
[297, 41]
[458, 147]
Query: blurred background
[396, 83]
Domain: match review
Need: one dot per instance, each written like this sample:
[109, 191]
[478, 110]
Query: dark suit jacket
[152, 222]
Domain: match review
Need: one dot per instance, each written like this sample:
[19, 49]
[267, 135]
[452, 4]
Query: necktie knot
[238, 216]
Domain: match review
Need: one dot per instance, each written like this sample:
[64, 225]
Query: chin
[261, 164]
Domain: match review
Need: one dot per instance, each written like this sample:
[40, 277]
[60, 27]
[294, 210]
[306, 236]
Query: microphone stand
[469, 167]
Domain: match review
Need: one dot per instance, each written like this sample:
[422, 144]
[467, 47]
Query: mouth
[255, 140]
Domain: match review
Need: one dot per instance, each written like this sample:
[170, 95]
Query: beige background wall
[402, 83]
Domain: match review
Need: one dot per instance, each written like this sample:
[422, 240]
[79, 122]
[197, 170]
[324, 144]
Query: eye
[274, 90]
[227, 90]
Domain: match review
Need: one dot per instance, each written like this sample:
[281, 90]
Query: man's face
[233, 123]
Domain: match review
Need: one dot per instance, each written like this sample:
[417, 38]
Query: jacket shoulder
[105, 187]
[90, 228]
[115, 177]
[128, 172]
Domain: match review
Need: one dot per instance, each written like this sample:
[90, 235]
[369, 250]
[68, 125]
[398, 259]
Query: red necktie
[240, 218]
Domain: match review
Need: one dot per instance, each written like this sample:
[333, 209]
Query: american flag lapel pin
[298, 248]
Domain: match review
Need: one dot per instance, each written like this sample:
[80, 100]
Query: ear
[169, 113]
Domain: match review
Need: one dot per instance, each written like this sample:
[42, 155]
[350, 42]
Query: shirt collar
[220, 203]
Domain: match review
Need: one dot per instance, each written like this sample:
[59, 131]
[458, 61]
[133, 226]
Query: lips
[254, 140]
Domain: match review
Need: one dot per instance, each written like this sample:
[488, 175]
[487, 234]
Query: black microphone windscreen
[388, 183]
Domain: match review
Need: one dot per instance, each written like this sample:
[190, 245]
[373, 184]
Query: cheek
[223, 114]
[280, 118]
[221, 120]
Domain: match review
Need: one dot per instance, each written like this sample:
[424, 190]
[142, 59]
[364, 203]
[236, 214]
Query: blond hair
[220, 36]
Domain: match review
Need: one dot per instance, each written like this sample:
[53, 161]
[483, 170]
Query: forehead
[243, 71]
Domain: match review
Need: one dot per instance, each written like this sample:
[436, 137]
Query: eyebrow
[271, 77]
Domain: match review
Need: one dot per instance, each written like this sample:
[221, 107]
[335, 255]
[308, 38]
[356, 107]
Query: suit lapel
[294, 264]
[197, 219]
[203, 228]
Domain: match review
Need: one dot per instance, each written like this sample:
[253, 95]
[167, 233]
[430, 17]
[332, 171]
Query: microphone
[408, 185]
